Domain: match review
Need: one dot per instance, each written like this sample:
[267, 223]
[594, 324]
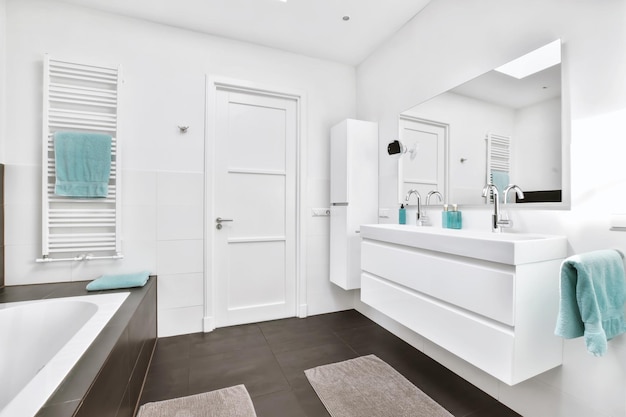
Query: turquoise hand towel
[111, 282]
[501, 180]
[82, 164]
[592, 296]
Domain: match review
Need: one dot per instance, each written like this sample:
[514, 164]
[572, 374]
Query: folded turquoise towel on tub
[82, 163]
[111, 282]
[592, 296]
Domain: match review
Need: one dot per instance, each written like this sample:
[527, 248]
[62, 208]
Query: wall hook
[183, 129]
[463, 160]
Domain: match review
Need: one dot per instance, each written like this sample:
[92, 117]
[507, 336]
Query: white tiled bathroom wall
[164, 72]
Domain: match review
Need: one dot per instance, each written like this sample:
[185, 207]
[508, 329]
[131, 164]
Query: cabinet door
[483, 288]
[338, 246]
[339, 163]
[480, 342]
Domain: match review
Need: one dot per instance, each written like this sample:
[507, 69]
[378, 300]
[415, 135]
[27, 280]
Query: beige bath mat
[368, 387]
[227, 402]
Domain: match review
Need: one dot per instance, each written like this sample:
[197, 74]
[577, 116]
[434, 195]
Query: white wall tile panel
[140, 187]
[180, 222]
[21, 269]
[140, 222]
[175, 321]
[179, 256]
[180, 188]
[179, 291]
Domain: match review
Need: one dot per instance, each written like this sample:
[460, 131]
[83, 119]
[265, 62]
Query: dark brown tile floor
[270, 359]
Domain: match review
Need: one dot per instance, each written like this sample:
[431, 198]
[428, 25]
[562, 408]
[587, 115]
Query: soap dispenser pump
[455, 220]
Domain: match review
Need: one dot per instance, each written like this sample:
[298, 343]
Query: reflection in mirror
[495, 128]
[425, 171]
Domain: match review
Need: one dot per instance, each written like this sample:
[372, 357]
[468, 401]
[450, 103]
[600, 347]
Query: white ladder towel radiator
[498, 156]
[80, 98]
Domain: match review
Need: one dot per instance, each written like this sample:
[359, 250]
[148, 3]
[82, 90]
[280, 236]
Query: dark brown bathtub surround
[117, 389]
[108, 379]
[1, 225]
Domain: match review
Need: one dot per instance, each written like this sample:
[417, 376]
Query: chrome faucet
[424, 220]
[518, 191]
[497, 220]
[432, 193]
[419, 204]
[496, 225]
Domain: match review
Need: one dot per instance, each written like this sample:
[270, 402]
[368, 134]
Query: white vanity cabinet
[491, 299]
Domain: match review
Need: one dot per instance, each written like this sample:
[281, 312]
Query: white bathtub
[40, 342]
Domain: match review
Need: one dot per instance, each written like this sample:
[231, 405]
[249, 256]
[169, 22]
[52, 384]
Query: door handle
[219, 221]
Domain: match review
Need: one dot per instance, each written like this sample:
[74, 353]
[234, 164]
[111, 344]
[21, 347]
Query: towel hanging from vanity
[593, 292]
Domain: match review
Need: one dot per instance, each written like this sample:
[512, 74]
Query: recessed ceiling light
[533, 62]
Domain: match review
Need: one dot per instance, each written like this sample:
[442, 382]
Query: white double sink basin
[506, 248]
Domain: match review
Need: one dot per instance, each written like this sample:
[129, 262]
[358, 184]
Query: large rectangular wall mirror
[500, 127]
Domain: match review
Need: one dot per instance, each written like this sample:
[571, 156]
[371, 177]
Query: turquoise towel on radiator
[82, 164]
[592, 296]
[111, 282]
[501, 180]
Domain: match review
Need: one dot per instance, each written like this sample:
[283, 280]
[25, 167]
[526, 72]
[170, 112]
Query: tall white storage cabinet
[353, 196]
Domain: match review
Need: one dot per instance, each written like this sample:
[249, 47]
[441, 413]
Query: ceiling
[310, 27]
[497, 88]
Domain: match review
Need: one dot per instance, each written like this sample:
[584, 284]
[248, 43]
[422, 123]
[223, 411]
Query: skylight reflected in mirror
[533, 62]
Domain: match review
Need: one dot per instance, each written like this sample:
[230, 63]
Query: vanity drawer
[482, 343]
[481, 287]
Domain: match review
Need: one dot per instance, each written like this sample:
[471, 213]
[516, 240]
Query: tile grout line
[282, 371]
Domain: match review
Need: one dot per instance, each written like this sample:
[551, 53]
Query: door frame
[213, 84]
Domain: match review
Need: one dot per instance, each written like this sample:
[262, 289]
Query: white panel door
[255, 195]
[426, 172]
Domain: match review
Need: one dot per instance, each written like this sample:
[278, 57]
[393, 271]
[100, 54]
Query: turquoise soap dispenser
[402, 214]
[455, 220]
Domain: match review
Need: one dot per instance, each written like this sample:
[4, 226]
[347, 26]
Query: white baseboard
[303, 311]
[208, 324]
